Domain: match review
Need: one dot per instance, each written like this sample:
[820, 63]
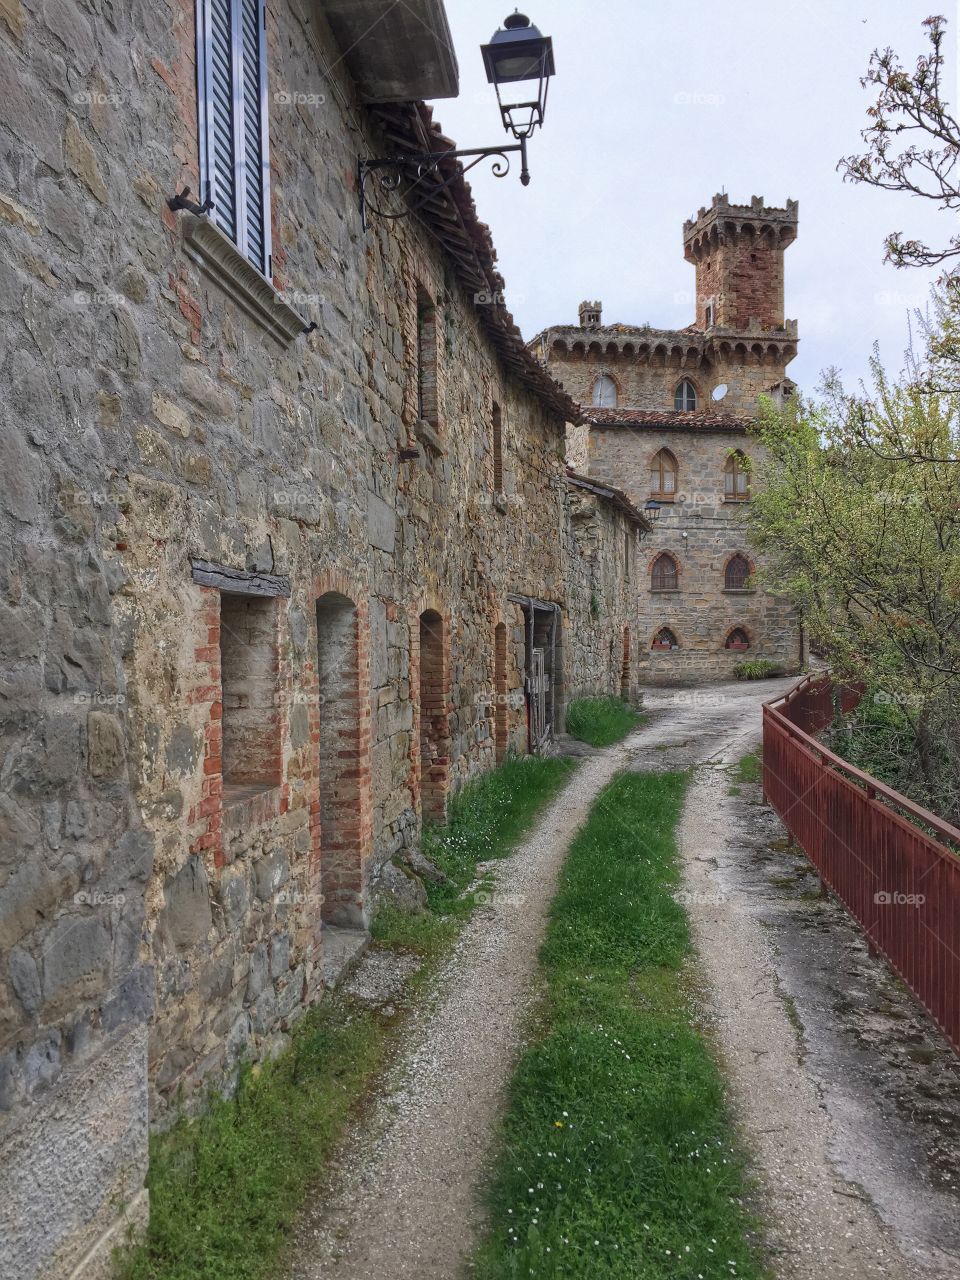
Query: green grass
[746, 771]
[600, 721]
[225, 1187]
[617, 1158]
[756, 669]
[484, 822]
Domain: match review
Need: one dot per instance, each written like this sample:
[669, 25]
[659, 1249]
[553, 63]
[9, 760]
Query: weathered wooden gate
[543, 682]
[538, 687]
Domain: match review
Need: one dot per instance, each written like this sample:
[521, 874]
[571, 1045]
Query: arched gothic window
[685, 396]
[604, 392]
[664, 575]
[663, 475]
[736, 478]
[737, 573]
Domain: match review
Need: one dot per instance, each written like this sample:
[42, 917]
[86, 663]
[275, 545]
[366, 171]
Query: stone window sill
[221, 261]
[739, 591]
[661, 498]
[500, 502]
[736, 502]
[427, 434]
[665, 591]
[251, 805]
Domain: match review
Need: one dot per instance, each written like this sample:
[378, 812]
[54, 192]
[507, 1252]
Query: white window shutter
[234, 139]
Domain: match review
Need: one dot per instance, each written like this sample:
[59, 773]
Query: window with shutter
[234, 141]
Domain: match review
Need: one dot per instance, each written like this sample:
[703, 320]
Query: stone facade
[701, 531]
[607, 541]
[275, 555]
[737, 348]
[683, 400]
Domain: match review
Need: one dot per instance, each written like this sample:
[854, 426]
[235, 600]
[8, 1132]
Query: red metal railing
[875, 849]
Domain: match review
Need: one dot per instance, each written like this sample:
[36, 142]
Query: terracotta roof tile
[451, 215]
[615, 496]
[699, 420]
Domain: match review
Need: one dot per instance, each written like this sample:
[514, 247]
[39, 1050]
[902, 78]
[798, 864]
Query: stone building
[667, 417]
[290, 552]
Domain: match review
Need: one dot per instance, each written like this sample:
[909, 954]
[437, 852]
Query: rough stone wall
[649, 381]
[605, 561]
[701, 531]
[151, 421]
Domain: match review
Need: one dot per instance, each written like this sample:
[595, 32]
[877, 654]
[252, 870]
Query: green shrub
[600, 721]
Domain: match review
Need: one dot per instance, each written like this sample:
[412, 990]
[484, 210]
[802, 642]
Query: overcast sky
[656, 106]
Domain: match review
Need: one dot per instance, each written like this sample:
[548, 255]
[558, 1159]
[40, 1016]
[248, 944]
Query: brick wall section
[207, 811]
[342, 741]
[249, 671]
[433, 683]
[500, 691]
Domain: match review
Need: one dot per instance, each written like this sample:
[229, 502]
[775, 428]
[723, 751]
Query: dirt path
[404, 1202]
[847, 1097]
[403, 1199]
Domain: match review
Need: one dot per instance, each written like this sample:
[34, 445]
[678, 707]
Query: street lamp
[517, 53]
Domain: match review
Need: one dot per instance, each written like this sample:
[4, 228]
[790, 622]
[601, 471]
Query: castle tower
[590, 314]
[738, 254]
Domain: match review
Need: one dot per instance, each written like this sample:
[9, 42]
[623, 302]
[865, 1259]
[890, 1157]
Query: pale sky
[656, 106]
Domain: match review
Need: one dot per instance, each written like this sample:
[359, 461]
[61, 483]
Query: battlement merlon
[723, 222]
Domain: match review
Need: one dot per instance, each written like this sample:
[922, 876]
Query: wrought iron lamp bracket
[391, 170]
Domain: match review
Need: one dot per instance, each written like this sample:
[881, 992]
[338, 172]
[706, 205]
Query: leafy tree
[913, 142]
[858, 511]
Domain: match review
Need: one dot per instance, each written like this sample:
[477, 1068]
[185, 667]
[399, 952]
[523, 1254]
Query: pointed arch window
[685, 396]
[664, 576]
[663, 475]
[664, 639]
[737, 639]
[604, 392]
[736, 478]
[736, 576]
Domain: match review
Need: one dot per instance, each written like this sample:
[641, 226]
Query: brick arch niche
[343, 751]
[434, 718]
[500, 710]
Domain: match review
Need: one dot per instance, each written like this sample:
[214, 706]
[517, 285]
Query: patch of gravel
[381, 977]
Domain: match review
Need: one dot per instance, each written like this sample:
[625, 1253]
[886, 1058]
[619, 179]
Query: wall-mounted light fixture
[517, 54]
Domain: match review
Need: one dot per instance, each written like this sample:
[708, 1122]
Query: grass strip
[617, 1157]
[226, 1186]
[746, 771]
[601, 721]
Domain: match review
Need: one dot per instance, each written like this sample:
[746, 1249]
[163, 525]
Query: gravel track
[402, 1196]
[403, 1201]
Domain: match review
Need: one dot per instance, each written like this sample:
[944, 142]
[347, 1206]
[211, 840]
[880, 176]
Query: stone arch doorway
[341, 759]
[434, 720]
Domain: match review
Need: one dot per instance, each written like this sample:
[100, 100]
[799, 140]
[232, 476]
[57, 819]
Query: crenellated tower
[738, 254]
